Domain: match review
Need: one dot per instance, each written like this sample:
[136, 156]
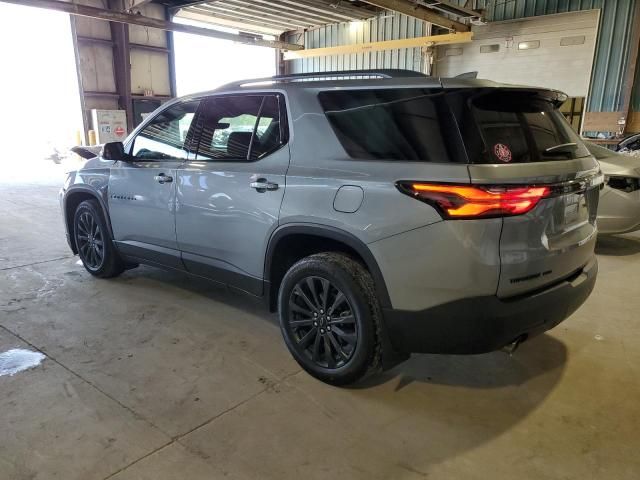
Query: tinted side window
[243, 127]
[394, 124]
[166, 137]
[269, 134]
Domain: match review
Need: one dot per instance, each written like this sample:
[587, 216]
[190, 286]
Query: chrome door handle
[262, 185]
[162, 178]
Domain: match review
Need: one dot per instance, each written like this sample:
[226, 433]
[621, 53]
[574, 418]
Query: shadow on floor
[202, 287]
[492, 370]
[618, 245]
[535, 357]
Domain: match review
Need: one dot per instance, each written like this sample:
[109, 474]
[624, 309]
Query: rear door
[142, 190]
[517, 137]
[229, 195]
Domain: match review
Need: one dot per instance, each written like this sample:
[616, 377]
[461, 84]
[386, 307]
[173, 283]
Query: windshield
[514, 126]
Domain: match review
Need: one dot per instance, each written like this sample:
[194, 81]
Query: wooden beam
[122, 17]
[633, 122]
[601, 121]
[422, 13]
[384, 45]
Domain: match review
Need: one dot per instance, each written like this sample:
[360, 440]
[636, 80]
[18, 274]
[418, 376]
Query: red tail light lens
[466, 201]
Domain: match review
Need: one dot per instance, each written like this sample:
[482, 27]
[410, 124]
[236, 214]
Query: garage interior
[154, 375]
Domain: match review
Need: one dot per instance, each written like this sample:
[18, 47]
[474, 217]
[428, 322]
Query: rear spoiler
[467, 75]
[87, 152]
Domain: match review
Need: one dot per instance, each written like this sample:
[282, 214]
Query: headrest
[238, 144]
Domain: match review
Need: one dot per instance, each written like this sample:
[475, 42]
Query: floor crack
[36, 263]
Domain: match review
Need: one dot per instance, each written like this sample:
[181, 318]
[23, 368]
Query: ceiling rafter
[420, 12]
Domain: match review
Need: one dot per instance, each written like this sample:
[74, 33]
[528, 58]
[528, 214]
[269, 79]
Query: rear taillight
[466, 201]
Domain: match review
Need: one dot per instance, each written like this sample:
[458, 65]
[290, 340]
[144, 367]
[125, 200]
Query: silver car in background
[619, 209]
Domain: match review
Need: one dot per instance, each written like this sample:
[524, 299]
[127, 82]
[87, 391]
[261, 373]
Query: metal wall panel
[495, 53]
[149, 36]
[96, 65]
[150, 71]
[611, 59]
[387, 26]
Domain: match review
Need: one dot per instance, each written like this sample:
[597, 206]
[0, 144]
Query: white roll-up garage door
[552, 51]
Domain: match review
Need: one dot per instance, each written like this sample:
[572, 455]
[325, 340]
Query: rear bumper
[484, 324]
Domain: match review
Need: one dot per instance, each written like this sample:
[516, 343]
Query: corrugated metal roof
[276, 16]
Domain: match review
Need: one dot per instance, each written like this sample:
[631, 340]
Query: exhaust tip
[511, 348]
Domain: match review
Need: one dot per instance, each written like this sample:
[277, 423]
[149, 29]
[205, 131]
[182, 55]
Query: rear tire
[330, 318]
[95, 245]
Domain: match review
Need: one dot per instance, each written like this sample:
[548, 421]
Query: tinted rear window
[495, 125]
[514, 126]
[398, 124]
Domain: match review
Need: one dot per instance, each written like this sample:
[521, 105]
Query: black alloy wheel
[322, 322]
[94, 242]
[90, 241]
[330, 317]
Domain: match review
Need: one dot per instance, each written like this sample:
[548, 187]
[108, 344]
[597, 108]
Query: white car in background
[619, 208]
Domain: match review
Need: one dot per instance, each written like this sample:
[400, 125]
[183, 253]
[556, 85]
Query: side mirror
[113, 151]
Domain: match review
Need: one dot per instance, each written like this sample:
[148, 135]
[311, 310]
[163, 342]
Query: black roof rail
[380, 73]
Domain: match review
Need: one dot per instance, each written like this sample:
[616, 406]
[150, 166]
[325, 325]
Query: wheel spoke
[325, 292]
[349, 319]
[350, 338]
[306, 339]
[328, 354]
[315, 354]
[304, 297]
[337, 346]
[337, 301]
[312, 288]
[307, 322]
[83, 223]
[298, 309]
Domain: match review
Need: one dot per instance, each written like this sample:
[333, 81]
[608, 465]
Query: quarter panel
[440, 263]
[384, 211]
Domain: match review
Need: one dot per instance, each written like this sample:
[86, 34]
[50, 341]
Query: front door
[142, 190]
[229, 196]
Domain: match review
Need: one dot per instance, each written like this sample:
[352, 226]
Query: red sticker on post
[502, 152]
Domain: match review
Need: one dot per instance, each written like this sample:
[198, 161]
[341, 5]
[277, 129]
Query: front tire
[95, 246]
[330, 318]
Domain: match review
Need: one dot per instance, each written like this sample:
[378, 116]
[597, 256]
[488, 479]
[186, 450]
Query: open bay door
[552, 51]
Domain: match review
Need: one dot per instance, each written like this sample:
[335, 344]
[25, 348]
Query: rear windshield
[495, 125]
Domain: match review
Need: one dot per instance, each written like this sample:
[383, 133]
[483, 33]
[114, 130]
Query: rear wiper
[562, 145]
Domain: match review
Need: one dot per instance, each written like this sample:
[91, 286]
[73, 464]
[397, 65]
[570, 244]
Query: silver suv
[380, 213]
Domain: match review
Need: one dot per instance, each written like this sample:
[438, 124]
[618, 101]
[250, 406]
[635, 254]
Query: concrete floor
[154, 376]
